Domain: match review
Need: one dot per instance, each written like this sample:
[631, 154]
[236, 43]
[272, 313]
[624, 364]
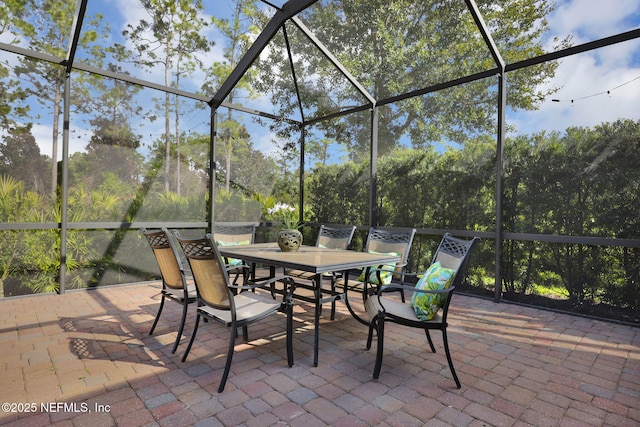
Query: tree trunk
[54, 141]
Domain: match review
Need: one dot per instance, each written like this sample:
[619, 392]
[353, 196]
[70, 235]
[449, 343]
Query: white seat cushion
[248, 305]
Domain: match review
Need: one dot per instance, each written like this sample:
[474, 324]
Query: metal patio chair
[438, 284]
[176, 285]
[229, 304]
[390, 242]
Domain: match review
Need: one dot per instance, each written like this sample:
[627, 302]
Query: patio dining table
[312, 259]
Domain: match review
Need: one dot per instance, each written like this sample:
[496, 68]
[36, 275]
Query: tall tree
[233, 141]
[113, 145]
[237, 31]
[319, 149]
[173, 40]
[20, 158]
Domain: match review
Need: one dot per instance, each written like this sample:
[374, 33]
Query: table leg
[317, 290]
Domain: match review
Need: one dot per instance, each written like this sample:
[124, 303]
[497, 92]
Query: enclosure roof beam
[440, 86]
[573, 50]
[289, 10]
[31, 53]
[339, 114]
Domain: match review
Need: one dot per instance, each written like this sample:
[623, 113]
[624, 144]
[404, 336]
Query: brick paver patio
[85, 359]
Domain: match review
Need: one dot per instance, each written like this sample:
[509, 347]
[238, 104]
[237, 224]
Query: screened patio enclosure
[513, 121]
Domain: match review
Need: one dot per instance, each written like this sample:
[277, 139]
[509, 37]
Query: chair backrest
[454, 253]
[391, 241]
[208, 271]
[167, 256]
[335, 237]
[231, 234]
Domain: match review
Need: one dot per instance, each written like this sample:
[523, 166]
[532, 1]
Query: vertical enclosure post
[373, 169]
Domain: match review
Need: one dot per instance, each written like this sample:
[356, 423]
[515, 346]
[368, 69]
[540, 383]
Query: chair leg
[446, 351]
[433, 349]
[372, 325]
[227, 366]
[380, 350]
[155, 322]
[185, 304]
[289, 309]
[193, 337]
[333, 302]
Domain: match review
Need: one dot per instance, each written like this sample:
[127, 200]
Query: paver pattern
[85, 359]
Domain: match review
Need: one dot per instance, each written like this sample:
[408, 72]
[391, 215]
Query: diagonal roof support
[76, 27]
[333, 59]
[289, 10]
[293, 72]
[493, 48]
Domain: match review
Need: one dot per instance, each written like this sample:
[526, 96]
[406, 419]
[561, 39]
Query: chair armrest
[395, 287]
[398, 286]
[381, 268]
[413, 274]
[400, 265]
[435, 291]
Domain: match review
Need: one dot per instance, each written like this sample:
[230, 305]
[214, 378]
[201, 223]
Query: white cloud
[589, 20]
[43, 135]
[586, 85]
[585, 78]
[264, 143]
